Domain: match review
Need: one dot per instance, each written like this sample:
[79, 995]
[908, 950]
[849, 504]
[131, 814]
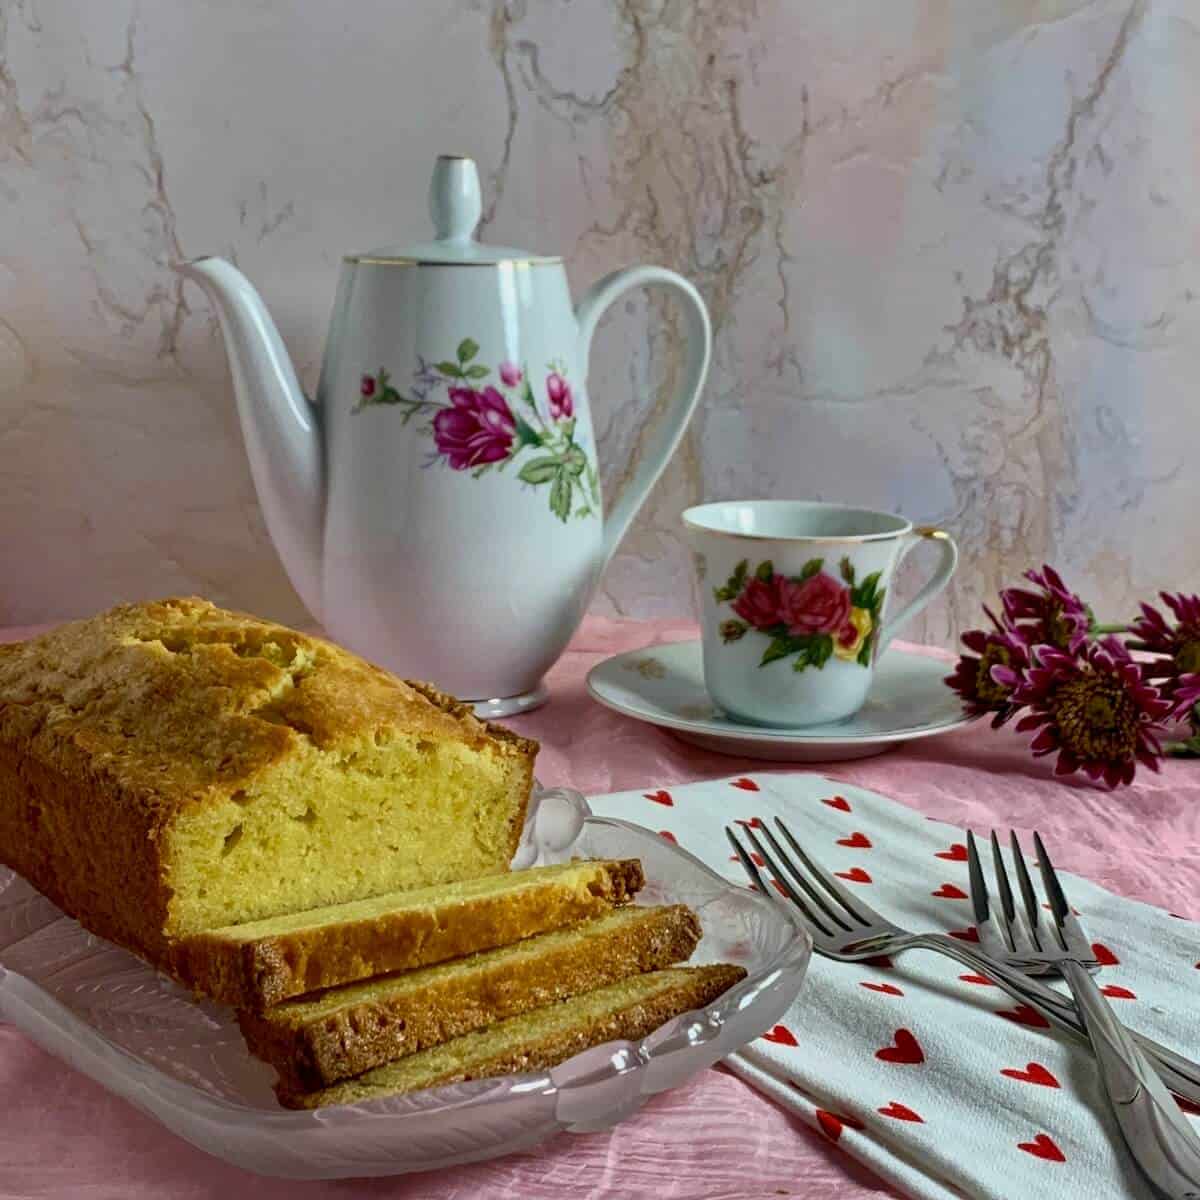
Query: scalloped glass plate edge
[483, 1118]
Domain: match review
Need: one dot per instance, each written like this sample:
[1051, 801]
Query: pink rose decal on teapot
[479, 425]
[808, 618]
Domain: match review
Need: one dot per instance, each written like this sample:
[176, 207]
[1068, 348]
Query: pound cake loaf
[261, 963]
[630, 1009]
[170, 767]
[315, 1041]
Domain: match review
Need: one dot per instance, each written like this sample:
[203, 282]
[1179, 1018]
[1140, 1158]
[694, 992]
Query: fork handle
[1180, 1074]
[1158, 1136]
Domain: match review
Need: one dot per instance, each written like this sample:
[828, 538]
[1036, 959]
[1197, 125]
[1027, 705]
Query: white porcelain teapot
[438, 508]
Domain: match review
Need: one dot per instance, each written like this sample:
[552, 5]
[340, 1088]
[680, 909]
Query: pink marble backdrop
[950, 250]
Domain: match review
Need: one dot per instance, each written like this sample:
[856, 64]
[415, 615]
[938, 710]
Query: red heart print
[781, 1035]
[1043, 1146]
[1033, 1073]
[949, 892]
[1114, 991]
[662, 796]
[856, 841]
[1024, 1015]
[1104, 956]
[756, 858]
[747, 785]
[956, 853]
[901, 1112]
[838, 802]
[879, 960]
[982, 980]
[832, 1123]
[904, 1049]
[970, 934]
[753, 823]
[666, 833]
[855, 875]
[886, 988]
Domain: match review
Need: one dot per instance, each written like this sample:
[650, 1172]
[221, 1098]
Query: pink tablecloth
[63, 1136]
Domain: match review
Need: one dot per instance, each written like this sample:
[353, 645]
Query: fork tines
[1027, 933]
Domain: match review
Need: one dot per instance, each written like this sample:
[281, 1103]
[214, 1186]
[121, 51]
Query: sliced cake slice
[260, 963]
[630, 1009]
[315, 1041]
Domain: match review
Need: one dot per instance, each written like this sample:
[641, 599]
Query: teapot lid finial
[455, 203]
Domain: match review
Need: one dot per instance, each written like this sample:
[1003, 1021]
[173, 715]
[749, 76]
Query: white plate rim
[817, 735]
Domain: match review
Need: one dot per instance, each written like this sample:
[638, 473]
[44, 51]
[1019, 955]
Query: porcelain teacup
[792, 603]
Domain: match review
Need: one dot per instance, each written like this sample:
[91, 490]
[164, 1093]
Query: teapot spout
[280, 426]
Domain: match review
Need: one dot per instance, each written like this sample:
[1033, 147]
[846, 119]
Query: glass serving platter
[141, 1035]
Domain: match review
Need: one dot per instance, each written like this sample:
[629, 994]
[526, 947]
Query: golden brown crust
[112, 726]
[313, 1049]
[695, 987]
[268, 969]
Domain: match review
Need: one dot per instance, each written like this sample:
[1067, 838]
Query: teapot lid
[455, 204]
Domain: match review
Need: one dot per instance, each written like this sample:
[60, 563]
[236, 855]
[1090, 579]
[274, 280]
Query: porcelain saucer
[664, 686]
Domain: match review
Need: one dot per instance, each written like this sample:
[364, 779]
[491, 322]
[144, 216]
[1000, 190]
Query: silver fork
[844, 927]
[1158, 1137]
[1008, 939]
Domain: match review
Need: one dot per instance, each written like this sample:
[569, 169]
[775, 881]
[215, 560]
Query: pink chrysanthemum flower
[1053, 615]
[1176, 670]
[973, 678]
[1094, 707]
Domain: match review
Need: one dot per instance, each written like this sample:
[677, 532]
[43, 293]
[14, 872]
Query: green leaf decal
[453, 370]
[526, 434]
[467, 350]
[864, 595]
[810, 568]
[820, 650]
[765, 571]
[477, 372]
[539, 470]
[847, 569]
[781, 647]
[560, 496]
[864, 654]
[735, 583]
[527, 395]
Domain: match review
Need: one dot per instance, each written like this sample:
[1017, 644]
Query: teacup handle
[666, 436]
[939, 579]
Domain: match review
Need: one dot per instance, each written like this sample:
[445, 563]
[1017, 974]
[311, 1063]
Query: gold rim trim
[372, 260]
[931, 531]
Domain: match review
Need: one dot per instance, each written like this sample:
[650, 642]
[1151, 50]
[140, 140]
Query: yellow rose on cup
[850, 638]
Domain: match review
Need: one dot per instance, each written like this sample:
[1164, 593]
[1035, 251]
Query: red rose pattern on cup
[809, 618]
[818, 605]
[759, 604]
[477, 430]
[367, 387]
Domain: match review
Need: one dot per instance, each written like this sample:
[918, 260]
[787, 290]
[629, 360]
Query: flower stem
[1101, 630]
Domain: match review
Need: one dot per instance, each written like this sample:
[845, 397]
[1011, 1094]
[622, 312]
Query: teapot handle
[697, 349]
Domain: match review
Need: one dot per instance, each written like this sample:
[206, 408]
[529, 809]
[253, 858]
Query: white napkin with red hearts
[923, 1070]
